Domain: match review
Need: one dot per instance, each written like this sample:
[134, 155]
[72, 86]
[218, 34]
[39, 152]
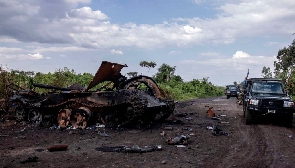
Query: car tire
[249, 117]
[288, 120]
[227, 97]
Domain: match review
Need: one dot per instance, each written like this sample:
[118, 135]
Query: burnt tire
[35, 117]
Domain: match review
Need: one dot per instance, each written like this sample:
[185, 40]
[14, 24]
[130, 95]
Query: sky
[215, 39]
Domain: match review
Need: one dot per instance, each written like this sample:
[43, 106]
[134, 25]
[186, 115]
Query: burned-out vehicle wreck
[119, 102]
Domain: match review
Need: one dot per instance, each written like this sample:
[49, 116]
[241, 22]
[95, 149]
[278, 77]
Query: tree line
[171, 84]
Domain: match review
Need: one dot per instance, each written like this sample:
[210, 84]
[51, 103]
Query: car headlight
[253, 102]
[227, 91]
[288, 104]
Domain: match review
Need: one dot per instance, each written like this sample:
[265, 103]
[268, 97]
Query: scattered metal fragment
[168, 128]
[180, 114]
[209, 128]
[180, 146]
[30, 159]
[188, 129]
[215, 118]
[189, 118]
[288, 135]
[217, 131]
[59, 147]
[127, 149]
[223, 122]
[104, 134]
[179, 140]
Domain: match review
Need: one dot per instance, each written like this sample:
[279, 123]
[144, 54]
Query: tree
[132, 74]
[284, 66]
[266, 73]
[285, 60]
[147, 64]
[165, 73]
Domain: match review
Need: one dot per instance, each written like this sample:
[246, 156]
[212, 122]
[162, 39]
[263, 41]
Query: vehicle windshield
[232, 88]
[267, 87]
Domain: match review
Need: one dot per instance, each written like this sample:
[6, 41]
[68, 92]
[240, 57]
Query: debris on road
[218, 131]
[288, 135]
[168, 128]
[215, 118]
[188, 129]
[180, 114]
[179, 140]
[30, 159]
[59, 147]
[133, 149]
[210, 112]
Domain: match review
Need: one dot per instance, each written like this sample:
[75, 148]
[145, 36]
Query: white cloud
[222, 70]
[87, 13]
[191, 30]
[174, 52]
[78, 1]
[240, 54]
[210, 54]
[35, 56]
[89, 28]
[116, 52]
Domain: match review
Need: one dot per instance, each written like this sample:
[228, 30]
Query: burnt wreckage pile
[120, 102]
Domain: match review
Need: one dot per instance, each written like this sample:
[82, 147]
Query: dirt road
[224, 141]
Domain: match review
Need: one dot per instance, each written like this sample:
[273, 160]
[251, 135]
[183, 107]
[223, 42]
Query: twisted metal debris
[120, 102]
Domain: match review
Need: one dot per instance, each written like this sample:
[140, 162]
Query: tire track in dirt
[262, 145]
[250, 148]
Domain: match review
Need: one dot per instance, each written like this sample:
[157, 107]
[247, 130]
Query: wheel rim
[35, 117]
[63, 117]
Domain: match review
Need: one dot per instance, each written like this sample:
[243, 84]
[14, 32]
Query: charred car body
[231, 91]
[120, 101]
[267, 96]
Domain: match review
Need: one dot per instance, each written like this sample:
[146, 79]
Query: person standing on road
[241, 95]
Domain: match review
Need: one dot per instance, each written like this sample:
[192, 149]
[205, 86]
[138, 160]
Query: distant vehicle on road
[231, 91]
[267, 96]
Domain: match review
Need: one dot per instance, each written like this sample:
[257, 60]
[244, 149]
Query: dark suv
[267, 96]
[231, 91]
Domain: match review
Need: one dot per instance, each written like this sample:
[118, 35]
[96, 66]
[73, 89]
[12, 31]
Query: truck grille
[274, 104]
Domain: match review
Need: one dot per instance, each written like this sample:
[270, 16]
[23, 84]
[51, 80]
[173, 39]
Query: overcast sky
[219, 39]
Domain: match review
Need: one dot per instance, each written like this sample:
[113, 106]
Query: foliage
[165, 73]
[266, 72]
[180, 90]
[171, 85]
[147, 64]
[132, 74]
[284, 66]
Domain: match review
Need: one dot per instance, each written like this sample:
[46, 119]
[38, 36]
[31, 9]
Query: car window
[267, 87]
[232, 88]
